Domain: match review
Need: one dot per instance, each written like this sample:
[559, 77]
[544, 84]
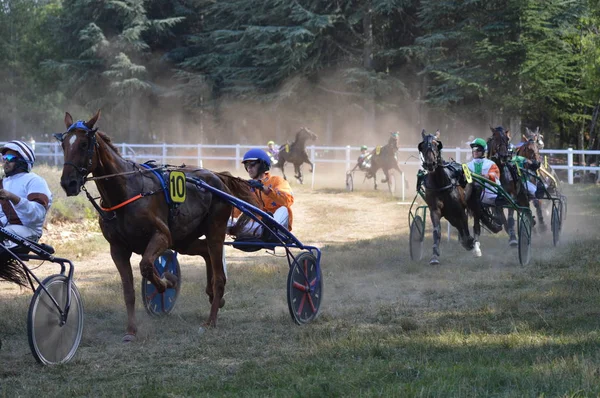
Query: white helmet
[23, 149]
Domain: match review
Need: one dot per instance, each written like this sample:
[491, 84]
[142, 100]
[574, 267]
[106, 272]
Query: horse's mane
[241, 190]
[108, 141]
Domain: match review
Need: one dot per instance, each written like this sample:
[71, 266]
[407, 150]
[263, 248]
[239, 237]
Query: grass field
[388, 326]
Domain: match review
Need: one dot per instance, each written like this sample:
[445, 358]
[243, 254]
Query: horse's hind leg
[510, 228]
[298, 171]
[540, 214]
[122, 259]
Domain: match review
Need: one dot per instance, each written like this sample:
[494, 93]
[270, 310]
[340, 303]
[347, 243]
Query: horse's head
[498, 144]
[305, 134]
[78, 144]
[430, 150]
[531, 135]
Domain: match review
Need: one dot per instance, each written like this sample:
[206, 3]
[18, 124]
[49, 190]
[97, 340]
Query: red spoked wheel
[304, 288]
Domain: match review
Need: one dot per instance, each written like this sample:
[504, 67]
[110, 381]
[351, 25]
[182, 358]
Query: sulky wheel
[555, 222]
[52, 340]
[524, 239]
[417, 235]
[304, 288]
[167, 267]
[349, 182]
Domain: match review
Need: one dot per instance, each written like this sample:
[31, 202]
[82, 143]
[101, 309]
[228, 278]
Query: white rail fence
[230, 156]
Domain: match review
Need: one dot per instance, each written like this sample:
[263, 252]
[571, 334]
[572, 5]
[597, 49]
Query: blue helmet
[258, 154]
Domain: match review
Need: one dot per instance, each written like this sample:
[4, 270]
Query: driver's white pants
[488, 197]
[20, 230]
[255, 229]
[531, 188]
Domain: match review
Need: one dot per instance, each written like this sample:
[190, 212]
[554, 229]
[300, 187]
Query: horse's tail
[11, 270]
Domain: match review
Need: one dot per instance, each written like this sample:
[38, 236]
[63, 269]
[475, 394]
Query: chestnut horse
[295, 153]
[137, 217]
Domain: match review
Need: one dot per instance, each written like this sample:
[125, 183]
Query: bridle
[427, 146]
[83, 171]
[500, 147]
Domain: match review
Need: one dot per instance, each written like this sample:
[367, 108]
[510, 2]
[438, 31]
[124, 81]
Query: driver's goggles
[9, 157]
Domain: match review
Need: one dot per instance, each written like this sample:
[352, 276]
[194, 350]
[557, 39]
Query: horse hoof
[171, 280]
[128, 338]
[222, 303]
[434, 261]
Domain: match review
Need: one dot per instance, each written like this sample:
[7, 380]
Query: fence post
[457, 158]
[237, 157]
[347, 157]
[164, 153]
[199, 156]
[123, 153]
[403, 182]
[55, 145]
[570, 164]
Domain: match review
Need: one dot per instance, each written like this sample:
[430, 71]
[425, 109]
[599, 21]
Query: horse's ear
[438, 133]
[493, 129]
[423, 133]
[508, 133]
[525, 137]
[68, 119]
[527, 131]
[90, 123]
[537, 130]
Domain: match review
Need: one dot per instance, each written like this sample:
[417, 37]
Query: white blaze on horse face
[72, 140]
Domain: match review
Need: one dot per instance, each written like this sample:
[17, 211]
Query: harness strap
[128, 201]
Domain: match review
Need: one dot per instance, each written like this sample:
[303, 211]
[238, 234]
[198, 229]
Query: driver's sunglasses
[9, 158]
[247, 165]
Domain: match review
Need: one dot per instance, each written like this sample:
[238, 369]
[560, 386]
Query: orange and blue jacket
[280, 195]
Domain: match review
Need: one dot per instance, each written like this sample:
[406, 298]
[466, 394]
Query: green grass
[388, 327]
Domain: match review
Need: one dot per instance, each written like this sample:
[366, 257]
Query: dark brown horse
[296, 154]
[448, 195]
[384, 158]
[150, 225]
[498, 151]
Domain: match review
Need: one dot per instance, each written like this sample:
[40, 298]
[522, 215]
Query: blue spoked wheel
[167, 267]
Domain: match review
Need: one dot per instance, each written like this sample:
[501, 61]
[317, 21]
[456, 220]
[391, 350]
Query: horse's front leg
[311, 165]
[375, 180]
[281, 166]
[122, 260]
[436, 216]
[156, 246]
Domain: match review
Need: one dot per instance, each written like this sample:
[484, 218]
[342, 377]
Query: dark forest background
[245, 71]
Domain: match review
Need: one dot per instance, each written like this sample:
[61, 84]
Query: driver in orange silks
[273, 192]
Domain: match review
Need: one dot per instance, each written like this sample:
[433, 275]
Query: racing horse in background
[296, 154]
[527, 150]
[136, 215]
[384, 158]
[498, 151]
[449, 195]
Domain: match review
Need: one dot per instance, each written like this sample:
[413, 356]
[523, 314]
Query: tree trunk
[369, 101]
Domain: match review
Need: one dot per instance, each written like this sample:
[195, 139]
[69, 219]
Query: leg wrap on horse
[436, 240]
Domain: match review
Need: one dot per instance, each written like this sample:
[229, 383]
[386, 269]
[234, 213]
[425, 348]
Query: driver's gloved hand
[256, 184]
[534, 165]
